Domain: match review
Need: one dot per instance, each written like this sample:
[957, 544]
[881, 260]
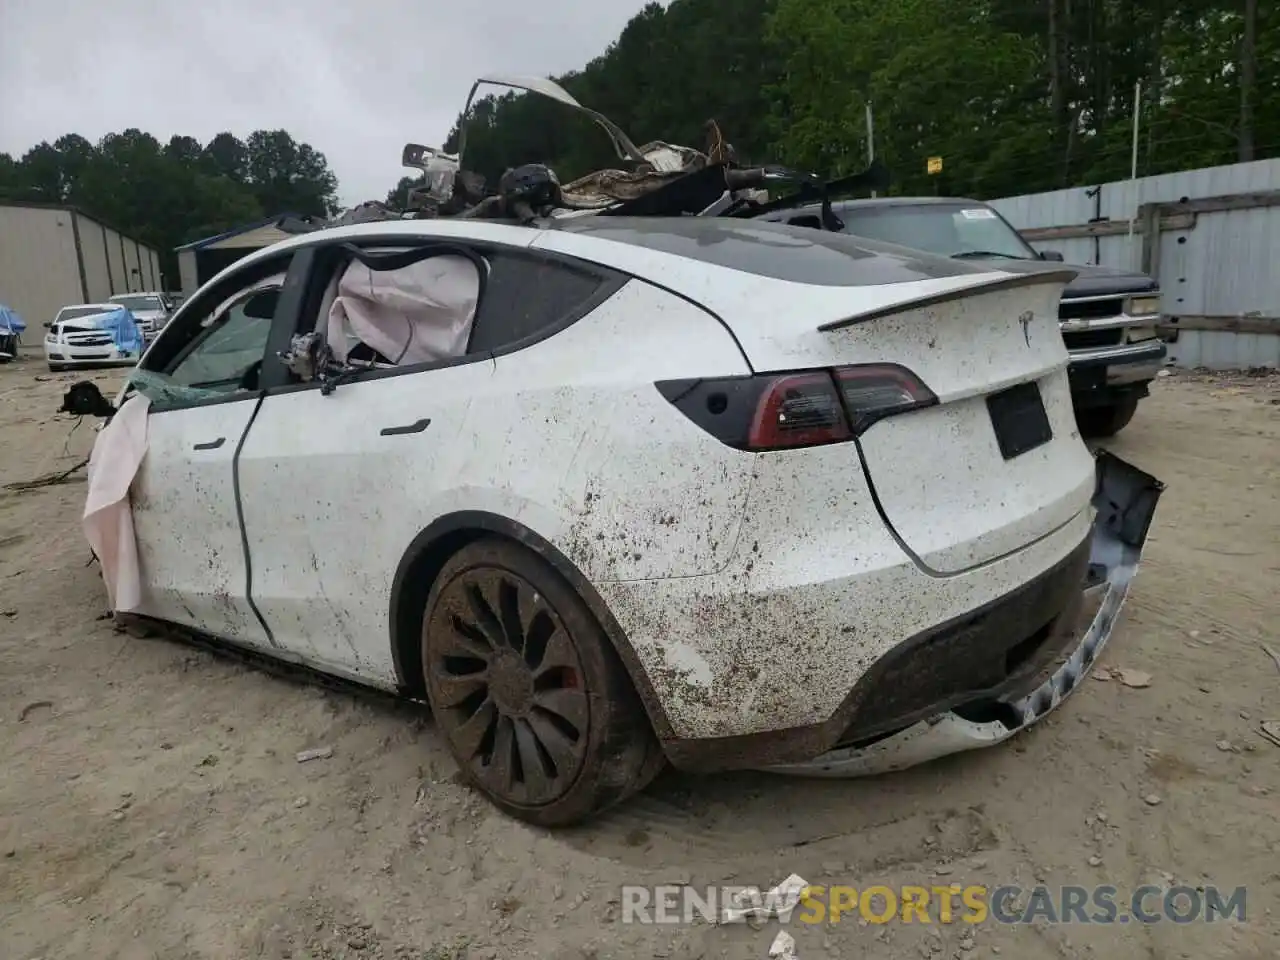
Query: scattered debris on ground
[319, 753]
[1132, 678]
[32, 707]
[1271, 730]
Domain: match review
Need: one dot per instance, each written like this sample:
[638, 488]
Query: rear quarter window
[527, 297]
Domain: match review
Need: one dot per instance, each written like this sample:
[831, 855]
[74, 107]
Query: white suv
[608, 492]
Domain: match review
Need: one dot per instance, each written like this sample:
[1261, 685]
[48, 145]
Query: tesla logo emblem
[1025, 321]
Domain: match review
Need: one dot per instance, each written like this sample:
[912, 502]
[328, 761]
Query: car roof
[907, 202]
[698, 229]
[612, 241]
[511, 233]
[874, 203]
[96, 306]
[673, 233]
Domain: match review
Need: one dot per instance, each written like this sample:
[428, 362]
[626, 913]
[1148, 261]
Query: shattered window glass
[226, 359]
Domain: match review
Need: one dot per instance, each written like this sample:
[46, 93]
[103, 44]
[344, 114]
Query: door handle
[416, 427]
[211, 445]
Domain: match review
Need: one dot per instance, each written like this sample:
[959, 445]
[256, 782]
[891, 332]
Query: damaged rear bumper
[1125, 499]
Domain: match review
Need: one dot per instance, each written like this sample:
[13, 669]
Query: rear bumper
[997, 651]
[1125, 499]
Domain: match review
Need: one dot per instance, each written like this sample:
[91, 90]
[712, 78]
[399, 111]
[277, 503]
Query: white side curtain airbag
[108, 517]
[418, 314]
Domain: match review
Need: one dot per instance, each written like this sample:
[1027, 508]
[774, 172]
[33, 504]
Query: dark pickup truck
[1108, 317]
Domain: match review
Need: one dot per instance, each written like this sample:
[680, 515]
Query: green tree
[398, 197]
[166, 195]
[226, 156]
[669, 72]
[1016, 96]
[289, 177]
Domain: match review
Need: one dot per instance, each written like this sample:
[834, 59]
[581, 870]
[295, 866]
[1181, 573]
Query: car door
[200, 378]
[336, 485]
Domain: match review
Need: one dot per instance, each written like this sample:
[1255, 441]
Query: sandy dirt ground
[151, 805]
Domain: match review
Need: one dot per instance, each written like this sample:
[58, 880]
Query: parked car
[92, 334]
[1108, 317]
[11, 327]
[827, 512]
[150, 310]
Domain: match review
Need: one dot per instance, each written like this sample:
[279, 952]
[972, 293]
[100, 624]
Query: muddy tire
[527, 690]
[1107, 421]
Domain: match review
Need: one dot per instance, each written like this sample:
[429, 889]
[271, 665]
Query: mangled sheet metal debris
[662, 179]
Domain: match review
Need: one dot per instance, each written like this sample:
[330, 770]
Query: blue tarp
[10, 322]
[123, 329]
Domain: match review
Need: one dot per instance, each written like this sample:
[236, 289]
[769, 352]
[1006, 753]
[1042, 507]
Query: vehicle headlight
[1142, 306]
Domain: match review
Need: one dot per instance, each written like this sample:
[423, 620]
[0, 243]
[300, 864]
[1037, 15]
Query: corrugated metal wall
[188, 279]
[52, 256]
[1225, 265]
[38, 268]
[115, 257]
[97, 271]
[102, 238]
[138, 279]
[1225, 351]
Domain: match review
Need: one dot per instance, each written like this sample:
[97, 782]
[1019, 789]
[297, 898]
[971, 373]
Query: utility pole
[871, 139]
[1248, 79]
[1137, 111]
[1133, 162]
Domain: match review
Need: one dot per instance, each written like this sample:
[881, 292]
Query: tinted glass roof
[780, 251]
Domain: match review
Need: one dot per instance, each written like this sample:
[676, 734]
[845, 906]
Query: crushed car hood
[1092, 280]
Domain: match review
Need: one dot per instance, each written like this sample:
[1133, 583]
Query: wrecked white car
[609, 492]
[726, 493]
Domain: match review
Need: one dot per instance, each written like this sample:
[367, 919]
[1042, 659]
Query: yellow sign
[935, 165]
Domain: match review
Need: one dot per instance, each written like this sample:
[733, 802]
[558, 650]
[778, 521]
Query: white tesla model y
[613, 492]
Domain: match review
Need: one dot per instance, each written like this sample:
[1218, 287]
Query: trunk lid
[971, 479]
[798, 299]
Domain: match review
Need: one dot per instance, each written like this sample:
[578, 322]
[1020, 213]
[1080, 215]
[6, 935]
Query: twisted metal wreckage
[666, 180]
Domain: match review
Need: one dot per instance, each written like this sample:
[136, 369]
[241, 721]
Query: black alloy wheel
[537, 709]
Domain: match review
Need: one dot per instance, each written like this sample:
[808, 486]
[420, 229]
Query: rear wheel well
[427, 556]
[416, 575]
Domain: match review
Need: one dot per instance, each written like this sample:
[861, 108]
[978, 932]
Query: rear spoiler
[1009, 281]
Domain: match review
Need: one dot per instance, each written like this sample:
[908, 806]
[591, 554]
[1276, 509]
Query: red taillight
[799, 410]
[778, 411]
[874, 391]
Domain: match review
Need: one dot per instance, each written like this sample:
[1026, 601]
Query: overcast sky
[354, 78]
